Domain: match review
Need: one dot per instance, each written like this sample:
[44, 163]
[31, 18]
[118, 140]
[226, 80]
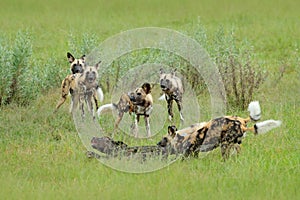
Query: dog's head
[167, 140]
[76, 65]
[139, 96]
[90, 73]
[178, 141]
[169, 82]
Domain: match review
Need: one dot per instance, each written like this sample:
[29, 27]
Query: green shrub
[15, 62]
[23, 77]
[82, 45]
[241, 72]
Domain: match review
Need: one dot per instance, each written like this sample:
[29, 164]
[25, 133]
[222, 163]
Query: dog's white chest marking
[144, 110]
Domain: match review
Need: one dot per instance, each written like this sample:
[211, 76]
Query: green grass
[42, 156]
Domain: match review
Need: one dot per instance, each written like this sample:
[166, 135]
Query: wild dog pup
[226, 132]
[83, 88]
[76, 67]
[138, 102]
[172, 88]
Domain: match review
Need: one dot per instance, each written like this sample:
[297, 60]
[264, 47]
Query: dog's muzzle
[77, 69]
[163, 87]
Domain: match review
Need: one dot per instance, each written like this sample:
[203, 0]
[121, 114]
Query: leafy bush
[238, 65]
[15, 61]
[83, 44]
[23, 78]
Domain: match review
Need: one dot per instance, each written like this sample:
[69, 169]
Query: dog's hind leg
[65, 89]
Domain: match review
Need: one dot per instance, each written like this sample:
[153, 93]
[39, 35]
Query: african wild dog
[76, 67]
[113, 148]
[139, 102]
[184, 141]
[172, 88]
[226, 132]
[83, 88]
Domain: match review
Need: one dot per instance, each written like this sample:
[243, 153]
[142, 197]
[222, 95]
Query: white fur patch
[254, 109]
[265, 126]
[105, 107]
[162, 97]
[100, 94]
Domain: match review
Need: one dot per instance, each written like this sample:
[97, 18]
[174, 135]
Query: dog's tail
[255, 111]
[265, 126]
[100, 94]
[105, 108]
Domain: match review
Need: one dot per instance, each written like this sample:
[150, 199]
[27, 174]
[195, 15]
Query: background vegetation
[42, 156]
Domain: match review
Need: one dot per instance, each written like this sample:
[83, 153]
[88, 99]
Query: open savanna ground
[41, 153]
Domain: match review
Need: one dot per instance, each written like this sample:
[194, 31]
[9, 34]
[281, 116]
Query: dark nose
[162, 86]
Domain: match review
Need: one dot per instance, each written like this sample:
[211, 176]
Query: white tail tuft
[162, 97]
[104, 108]
[265, 126]
[100, 94]
[254, 109]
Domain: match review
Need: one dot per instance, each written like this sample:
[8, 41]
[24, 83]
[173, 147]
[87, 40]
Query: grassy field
[42, 156]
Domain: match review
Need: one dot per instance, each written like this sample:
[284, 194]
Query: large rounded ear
[161, 71]
[70, 57]
[172, 131]
[173, 72]
[146, 87]
[83, 58]
[97, 64]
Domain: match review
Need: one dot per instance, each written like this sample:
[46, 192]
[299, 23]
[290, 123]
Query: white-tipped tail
[106, 107]
[162, 97]
[100, 94]
[254, 109]
[265, 126]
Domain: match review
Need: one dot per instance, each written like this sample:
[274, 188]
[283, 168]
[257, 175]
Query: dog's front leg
[179, 105]
[147, 123]
[74, 102]
[81, 105]
[135, 125]
[90, 105]
[170, 111]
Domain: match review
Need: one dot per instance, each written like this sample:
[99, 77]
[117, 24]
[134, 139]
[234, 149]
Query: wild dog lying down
[83, 88]
[113, 148]
[226, 132]
[173, 90]
[76, 67]
[139, 102]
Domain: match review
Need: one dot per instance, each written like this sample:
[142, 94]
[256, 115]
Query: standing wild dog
[226, 132]
[76, 67]
[139, 102]
[172, 88]
[83, 88]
